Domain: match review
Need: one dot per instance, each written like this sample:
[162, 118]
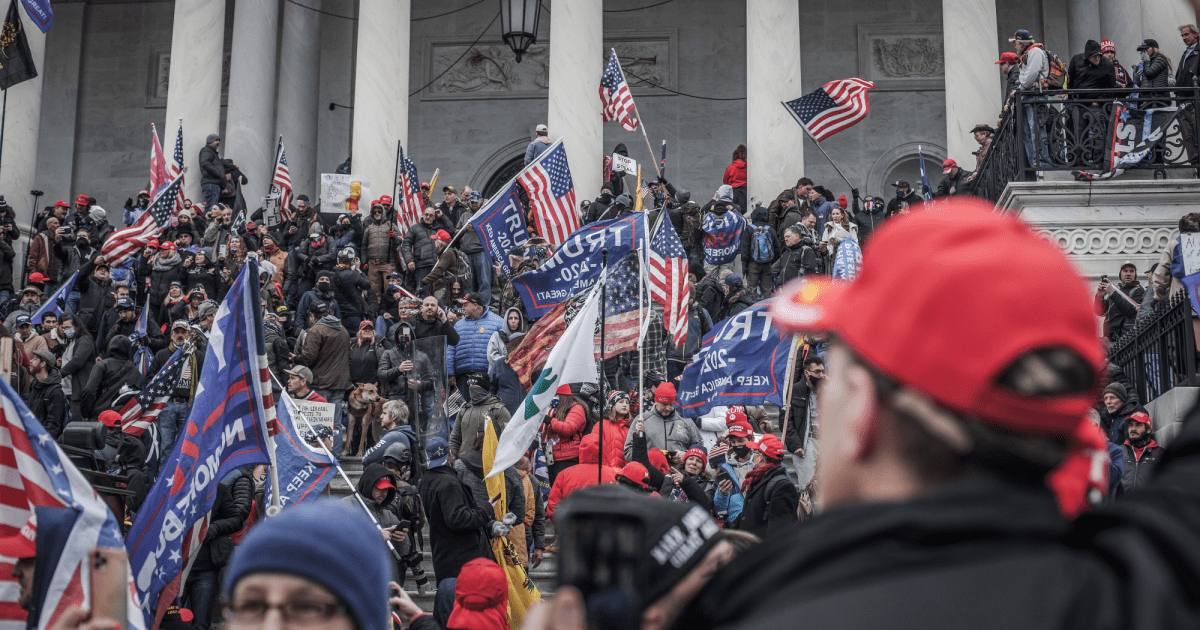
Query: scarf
[270, 248]
[171, 262]
[1141, 445]
[756, 474]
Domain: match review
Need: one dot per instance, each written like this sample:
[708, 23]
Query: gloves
[509, 519]
[499, 529]
[129, 203]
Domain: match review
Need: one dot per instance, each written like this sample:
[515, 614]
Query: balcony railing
[1068, 130]
[1160, 352]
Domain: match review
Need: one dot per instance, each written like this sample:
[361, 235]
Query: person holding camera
[1119, 309]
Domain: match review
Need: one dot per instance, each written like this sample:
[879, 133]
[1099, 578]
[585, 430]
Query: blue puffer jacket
[732, 503]
[470, 355]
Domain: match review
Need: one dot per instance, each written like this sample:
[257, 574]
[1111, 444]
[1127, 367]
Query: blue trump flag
[743, 361]
[304, 470]
[40, 12]
[229, 425]
[500, 225]
[52, 305]
[848, 260]
[722, 236]
[575, 267]
[926, 189]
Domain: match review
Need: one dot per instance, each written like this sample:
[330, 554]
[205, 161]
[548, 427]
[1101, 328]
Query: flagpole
[396, 177]
[834, 164]
[641, 294]
[641, 124]
[293, 408]
[603, 306]
[3, 116]
[791, 380]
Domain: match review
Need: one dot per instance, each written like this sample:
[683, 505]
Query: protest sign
[575, 266]
[743, 361]
[500, 225]
[304, 470]
[1190, 248]
[623, 164]
[337, 188]
[318, 413]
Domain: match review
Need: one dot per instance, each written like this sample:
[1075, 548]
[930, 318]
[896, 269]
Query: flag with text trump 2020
[501, 225]
[230, 425]
[575, 266]
[743, 361]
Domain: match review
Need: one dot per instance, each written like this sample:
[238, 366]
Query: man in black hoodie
[1090, 69]
[109, 376]
[46, 399]
[459, 530]
[760, 249]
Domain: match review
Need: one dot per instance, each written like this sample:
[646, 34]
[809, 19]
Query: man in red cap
[1142, 453]
[738, 462]
[662, 425]
[770, 497]
[448, 265]
[378, 246]
[952, 183]
[1010, 68]
[948, 404]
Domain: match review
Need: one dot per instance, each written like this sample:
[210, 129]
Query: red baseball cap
[37, 277]
[143, 192]
[769, 445]
[1008, 57]
[153, 242]
[167, 245]
[82, 200]
[1140, 416]
[947, 165]
[442, 235]
[636, 473]
[384, 482]
[110, 418]
[366, 323]
[740, 428]
[386, 200]
[659, 460]
[61, 204]
[990, 290]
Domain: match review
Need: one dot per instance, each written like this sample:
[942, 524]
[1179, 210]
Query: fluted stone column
[22, 125]
[774, 142]
[250, 119]
[1083, 23]
[380, 90]
[969, 36]
[1161, 20]
[296, 109]
[1121, 22]
[577, 59]
[194, 85]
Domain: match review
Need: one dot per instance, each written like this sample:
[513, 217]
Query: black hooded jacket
[47, 402]
[109, 375]
[1082, 75]
[456, 524]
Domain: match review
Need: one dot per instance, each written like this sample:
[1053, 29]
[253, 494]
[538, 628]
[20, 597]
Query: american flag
[837, 105]
[622, 311]
[175, 169]
[281, 184]
[547, 180]
[142, 410]
[408, 211]
[668, 279]
[36, 473]
[615, 96]
[159, 176]
[126, 242]
[142, 357]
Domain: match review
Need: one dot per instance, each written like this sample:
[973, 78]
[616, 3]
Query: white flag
[573, 360]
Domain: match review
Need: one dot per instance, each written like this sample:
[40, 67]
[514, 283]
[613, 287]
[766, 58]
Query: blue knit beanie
[328, 542]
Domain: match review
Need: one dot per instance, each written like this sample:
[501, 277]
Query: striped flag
[142, 409]
[547, 180]
[175, 169]
[410, 207]
[529, 357]
[615, 96]
[668, 279]
[37, 479]
[159, 176]
[128, 241]
[622, 311]
[835, 106]
[52, 305]
[281, 184]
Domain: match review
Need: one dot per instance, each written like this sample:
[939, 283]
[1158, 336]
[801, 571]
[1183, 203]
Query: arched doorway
[502, 175]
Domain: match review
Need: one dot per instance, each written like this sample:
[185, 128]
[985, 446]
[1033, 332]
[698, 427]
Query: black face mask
[816, 383]
[82, 241]
[605, 198]
[322, 286]
[742, 451]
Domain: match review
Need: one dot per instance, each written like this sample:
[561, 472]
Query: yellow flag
[521, 590]
[637, 206]
[433, 182]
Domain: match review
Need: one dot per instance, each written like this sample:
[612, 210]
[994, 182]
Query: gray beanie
[1118, 390]
[212, 136]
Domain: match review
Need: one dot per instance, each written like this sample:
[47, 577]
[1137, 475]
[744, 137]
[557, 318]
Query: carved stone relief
[902, 56]
[1111, 240]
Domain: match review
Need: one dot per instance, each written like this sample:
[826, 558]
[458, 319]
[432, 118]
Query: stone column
[969, 42]
[18, 165]
[296, 110]
[250, 120]
[577, 58]
[194, 85]
[1083, 23]
[774, 141]
[337, 85]
[1161, 20]
[56, 142]
[380, 91]
[1120, 21]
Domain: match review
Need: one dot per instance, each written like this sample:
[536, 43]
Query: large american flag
[410, 206]
[668, 279]
[615, 96]
[835, 106]
[622, 311]
[127, 242]
[142, 409]
[159, 176]
[175, 169]
[547, 180]
[281, 184]
[36, 473]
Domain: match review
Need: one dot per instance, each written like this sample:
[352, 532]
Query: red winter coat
[615, 432]
[580, 475]
[569, 432]
[735, 174]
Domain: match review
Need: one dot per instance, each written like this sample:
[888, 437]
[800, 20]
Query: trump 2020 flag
[230, 425]
[848, 260]
[58, 301]
[35, 474]
[500, 225]
[743, 361]
[304, 471]
[572, 360]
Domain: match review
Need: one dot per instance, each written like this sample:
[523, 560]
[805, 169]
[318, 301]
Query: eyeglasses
[298, 613]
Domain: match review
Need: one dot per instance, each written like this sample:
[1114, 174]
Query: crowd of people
[356, 307]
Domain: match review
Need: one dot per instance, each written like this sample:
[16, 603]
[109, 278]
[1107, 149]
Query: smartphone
[1104, 278]
[404, 524]
[109, 579]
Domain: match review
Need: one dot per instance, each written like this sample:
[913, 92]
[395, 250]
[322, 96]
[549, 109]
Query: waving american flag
[615, 96]
[126, 242]
[668, 279]
[552, 194]
[175, 169]
[159, 176]
[410, 206]
[835, 106]
[281, 183]
[38, 480]
[143, 408]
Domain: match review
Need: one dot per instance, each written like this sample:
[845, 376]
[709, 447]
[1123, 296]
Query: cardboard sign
[337, 188]
[317, 413]
[271, 214]
[623, 164]
[1190, 244]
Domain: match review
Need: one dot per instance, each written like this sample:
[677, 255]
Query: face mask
[478, 394]
[900, 194]
[81, 241]
[69, 333]
[323, 286]
[1145, 57]
[605, 198]
[741, 451]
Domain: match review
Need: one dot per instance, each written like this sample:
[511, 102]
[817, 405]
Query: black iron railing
[1069, 130]
[1160, 352]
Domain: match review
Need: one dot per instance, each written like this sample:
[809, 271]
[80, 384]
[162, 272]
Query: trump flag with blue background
[304, 470]
[500, 225]
[230, 425]
[743, 361]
